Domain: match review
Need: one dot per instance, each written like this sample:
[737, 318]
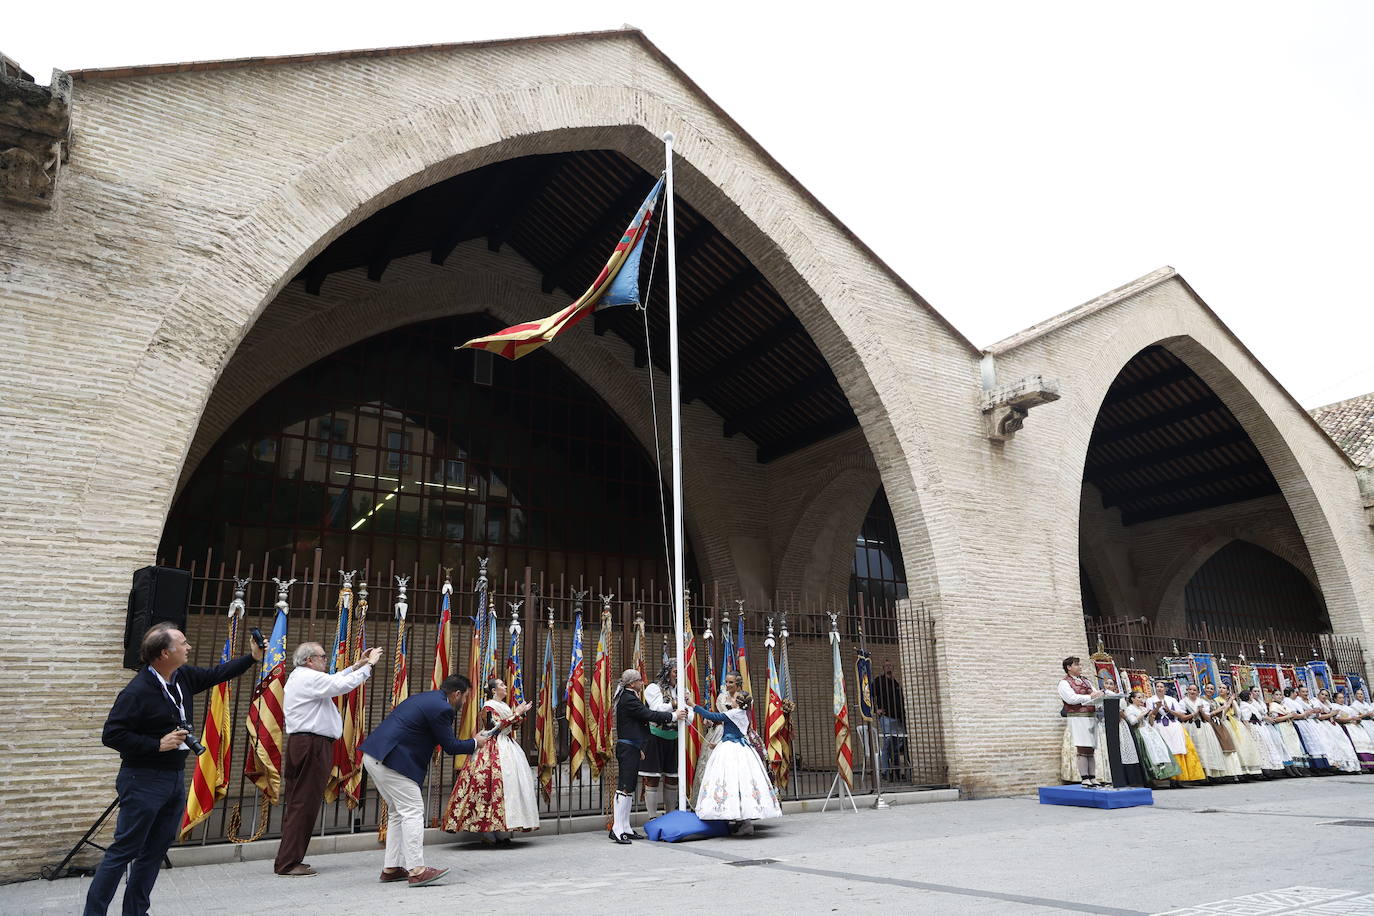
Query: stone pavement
[1291, 847]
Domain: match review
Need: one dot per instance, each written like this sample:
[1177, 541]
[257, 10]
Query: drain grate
[1349, 824]
[745, 863]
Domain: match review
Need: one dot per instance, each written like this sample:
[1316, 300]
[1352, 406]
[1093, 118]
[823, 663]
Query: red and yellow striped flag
[346, 776]
[516, 341]
[443, 643]
[691, 698]
[266, 720]
[775, 737]
[599, 731]
[546, 723]
[467, 720]
[211, 779]
[844, 749]
[578, 740]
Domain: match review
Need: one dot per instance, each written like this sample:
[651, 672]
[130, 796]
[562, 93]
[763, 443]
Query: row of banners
[1203, 668]
[588, 706]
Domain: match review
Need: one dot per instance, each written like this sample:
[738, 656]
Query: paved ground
[1261, 850]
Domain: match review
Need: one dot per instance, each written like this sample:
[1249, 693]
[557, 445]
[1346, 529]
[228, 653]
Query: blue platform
[1080, 797]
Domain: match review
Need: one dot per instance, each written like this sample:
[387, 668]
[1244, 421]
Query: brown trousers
[304, 771]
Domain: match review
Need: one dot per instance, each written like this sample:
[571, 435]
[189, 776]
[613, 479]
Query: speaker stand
[52, 873]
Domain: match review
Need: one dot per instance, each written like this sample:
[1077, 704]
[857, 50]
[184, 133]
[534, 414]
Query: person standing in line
[313, 724]
[1078, 697]
[148, 726]
[396, 756]
[890, 706]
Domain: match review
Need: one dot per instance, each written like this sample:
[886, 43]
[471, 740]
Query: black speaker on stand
[160, 594]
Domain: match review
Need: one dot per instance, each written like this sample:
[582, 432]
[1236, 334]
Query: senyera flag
[691, 698]
[844, 750]
[775, 721]
[616, 284]
[546, 723]
[211, 779]
[601, 715]
[575, 697]
[346, 773]
[266, 719]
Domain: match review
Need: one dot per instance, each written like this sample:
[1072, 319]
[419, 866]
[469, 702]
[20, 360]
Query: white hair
[304, 652]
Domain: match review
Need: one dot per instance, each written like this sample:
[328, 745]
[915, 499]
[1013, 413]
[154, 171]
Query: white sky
[1009, 159]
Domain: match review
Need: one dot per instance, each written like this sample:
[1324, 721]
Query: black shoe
[623, 839]
[635, 835]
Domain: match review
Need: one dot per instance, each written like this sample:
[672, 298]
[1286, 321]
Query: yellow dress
[1189, 764]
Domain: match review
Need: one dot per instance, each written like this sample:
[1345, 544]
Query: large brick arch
[1289, 442]
[224, 296]
[1170, 612]
[819, 556]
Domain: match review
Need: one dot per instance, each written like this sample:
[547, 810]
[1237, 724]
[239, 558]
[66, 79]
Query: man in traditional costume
[632, 719]
[1078, 696]
[658, 764]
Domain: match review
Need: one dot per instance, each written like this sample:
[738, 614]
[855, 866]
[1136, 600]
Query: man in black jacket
[144, 725]
[632, 720]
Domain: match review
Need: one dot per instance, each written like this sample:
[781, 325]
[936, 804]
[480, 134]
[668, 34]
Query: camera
[191, 740]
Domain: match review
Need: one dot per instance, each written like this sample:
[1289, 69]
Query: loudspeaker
[159, 594]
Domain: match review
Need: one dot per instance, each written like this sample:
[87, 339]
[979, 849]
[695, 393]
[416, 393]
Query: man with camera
[313, 724]
[150, 726]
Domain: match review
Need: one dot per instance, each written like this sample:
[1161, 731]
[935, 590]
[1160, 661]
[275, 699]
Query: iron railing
[906, 640]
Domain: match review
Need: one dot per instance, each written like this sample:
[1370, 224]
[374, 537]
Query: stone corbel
[1365, 476]
[35, 130]
[1005, 408]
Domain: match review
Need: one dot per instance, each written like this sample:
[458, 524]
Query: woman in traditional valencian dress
[1366, 711]
[1295, 700]
[1169, 716]
[494, 793]
[1347, 718]
[1273, 756]
[726, 700]
[1198, 714]
[1247, 754]
[1339, 749]
[1158, 763]
[1282, 718]
[735, 786]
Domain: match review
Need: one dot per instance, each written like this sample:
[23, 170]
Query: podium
[1083, 797]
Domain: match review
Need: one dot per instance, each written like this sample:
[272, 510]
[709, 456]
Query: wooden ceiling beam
[1112, 497]
[390, 226]
[471, 219]
[1146, 459]
[732, 364]
[701, 314]
[823, 429]
[616, 216]
[1148, 384]
[1184, 506]
[534, 180]
[760, 412]
[1159, 420]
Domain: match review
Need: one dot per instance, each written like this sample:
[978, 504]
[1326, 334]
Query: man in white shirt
[313, 724]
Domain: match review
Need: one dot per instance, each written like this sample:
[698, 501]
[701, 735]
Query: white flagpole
[675, 386]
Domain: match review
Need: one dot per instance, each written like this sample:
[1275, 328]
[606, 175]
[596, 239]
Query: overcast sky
[1009, 159]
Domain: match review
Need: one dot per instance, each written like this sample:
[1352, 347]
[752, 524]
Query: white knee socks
[623, 803]
[652, 794]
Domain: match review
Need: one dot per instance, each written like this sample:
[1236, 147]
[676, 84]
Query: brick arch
[224, 295]
[819, 555]
[1169, 612]
[1192, 333]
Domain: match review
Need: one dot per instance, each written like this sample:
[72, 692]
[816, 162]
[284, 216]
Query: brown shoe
[298, 871]
[428, 876]
[394, 874]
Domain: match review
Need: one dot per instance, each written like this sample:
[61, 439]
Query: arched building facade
[189, 268]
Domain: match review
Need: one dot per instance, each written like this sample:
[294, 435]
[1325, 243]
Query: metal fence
[1135, 643]
[903, 637]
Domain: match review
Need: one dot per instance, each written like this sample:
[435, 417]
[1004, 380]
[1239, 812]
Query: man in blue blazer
[145, 726]
[396, 756]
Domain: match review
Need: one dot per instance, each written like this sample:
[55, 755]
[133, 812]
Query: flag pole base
[840, 795]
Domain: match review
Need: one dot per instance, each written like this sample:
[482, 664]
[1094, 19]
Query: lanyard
[167, 691]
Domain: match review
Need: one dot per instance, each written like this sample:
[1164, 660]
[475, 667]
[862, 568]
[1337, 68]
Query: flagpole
[675, 388]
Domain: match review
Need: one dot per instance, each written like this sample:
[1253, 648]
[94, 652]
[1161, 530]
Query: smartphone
[258, 637]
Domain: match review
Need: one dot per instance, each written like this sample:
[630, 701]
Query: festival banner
[1140, 680]
[774, 720]
[1318, 676]
[616, 284]
[863, 684]
[1270, 680]
[788, 706]
[602, 717]
[515, 675]
[346, 773]
[1206, 666]
[210, 781]
[338, 659]
[467, 719]
[266, 721]
[712, 687]
[575, 698]
[691, 697]
[742, 667]
[443, 640]
[844, 749]
[546, 721]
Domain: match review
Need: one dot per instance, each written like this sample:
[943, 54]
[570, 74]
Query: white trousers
[405, 820]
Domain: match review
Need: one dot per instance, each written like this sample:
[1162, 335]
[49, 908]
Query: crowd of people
[1213, 735]
[494, 794]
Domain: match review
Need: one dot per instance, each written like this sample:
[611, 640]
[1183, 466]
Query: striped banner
[546, 720]
[575, 695]
[775, 720]
[844, 748]
[266, 722]
[443, 640]
[601, 718]
[691, 698]
[467, 721]
[210, 781]
[346, 774]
